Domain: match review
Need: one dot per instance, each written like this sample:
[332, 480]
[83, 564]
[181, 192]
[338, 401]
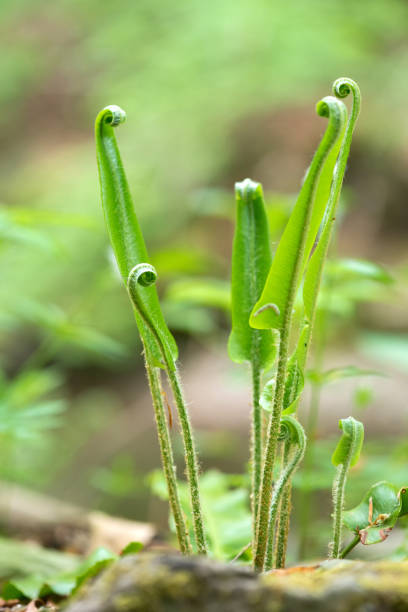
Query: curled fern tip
[143, 274]
[114, 115]
[324, 106]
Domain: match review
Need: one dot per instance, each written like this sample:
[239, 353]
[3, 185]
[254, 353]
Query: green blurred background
[214, 92]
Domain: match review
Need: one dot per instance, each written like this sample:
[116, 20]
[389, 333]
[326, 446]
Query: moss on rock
[171, 583]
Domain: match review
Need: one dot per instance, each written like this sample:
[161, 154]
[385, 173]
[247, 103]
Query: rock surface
[171, 583]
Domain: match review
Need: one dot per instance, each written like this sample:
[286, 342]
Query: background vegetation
[213, 93]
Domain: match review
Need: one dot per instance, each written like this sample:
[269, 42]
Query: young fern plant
[160, 350]
[251, 260]
[294, 438]
[345, 456]
[329, 189]
[263, 297]
[274, 309]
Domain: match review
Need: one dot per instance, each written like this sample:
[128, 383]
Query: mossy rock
[171, 583]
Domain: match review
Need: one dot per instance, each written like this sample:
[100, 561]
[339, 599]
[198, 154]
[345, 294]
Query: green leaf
[126, 236]
[97, 561]
[298, 238]
[41, 572]
[29, 587]
[376, 515]
[403, 495]
[290, 427]
[295, 379]
[267, 395]
[350, 444]
[251, 260]
[131, 549]
[294, 385]
[225, 509]
[336, 374]
[27, 567]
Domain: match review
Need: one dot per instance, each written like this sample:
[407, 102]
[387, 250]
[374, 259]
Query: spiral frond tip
[142, 274]
[115, 116]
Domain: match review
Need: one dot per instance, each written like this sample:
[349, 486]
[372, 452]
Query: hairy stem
[134, 281]
[256, 443]
[287, 471]
[284, 521]
[339, 486]
[166, 451]
[306, 498]
[191, 459]
[272, 442]
[345, 456]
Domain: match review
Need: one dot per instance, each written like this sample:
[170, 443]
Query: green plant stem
[256, 442]
[339, 486]
[274, 543]
[153, 376]
[272, 442]
[345, 455]
[306, 498]
[283, 524]
[191, 459]
[292, 461]
[349, 547]
[186, 429]
[273, 540]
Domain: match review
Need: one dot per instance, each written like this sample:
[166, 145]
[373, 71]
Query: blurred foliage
[36, 573]
[202, 86]
[225, 506]
[185, 75]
